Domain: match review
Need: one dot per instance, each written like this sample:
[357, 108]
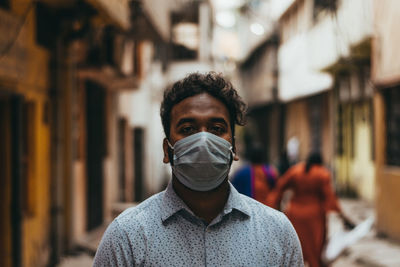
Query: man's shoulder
[128, 230]
[273, 225]
[145, 210]
[265, 213]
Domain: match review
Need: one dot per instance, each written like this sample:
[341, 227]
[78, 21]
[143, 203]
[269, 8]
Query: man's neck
[206, 205]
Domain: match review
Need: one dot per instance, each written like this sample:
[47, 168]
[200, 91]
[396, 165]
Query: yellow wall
[33, 86]
[363, 167]
[388, 201]
[36, 227]
[355, 167]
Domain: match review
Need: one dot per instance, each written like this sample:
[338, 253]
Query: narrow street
[83, 84]
[81, 260]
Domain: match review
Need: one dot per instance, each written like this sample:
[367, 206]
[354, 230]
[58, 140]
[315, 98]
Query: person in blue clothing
[256, 179]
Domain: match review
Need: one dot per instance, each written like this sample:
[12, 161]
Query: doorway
[11, 169]
[95, 152]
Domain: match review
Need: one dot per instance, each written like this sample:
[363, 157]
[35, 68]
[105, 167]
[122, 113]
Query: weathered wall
[24, 71]
[385, 73]
[259, 76]
[386, 66]
[308, 50]
[297, 125]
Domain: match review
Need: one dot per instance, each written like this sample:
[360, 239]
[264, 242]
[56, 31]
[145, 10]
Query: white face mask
[201, 161]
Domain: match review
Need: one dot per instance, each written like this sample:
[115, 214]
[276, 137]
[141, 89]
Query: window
[392, 97]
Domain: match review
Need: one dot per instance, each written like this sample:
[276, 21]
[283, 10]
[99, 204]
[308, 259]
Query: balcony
[303, 57]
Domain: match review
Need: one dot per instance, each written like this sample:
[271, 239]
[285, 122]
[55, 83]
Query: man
[200, 219]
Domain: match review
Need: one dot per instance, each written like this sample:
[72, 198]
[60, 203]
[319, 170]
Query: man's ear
[165, 148]
[235, 155]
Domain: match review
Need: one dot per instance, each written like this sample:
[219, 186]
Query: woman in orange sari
[313, 197]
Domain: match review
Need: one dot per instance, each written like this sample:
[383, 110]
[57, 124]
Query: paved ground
[82, 260]
[371, 251]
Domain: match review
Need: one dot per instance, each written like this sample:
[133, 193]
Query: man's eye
[187, 129]
[217, 129]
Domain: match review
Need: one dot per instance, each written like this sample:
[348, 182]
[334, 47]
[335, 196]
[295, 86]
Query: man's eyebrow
[221, 120]
[184, 120]
[192, 120]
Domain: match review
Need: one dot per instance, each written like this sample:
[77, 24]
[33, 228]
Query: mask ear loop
[233, 144]
[170, 153]
[169, 144]
[231, 150]
[232, 155]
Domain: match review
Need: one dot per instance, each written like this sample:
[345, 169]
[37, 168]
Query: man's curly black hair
[193, 84]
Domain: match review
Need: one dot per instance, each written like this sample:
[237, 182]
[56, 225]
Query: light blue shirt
[163, 231]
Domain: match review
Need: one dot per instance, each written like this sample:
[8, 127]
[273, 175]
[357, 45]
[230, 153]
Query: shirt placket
[207, 245]
[204, 228]
[209, 249]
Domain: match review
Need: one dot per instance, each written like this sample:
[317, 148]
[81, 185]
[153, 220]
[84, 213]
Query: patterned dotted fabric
[163, 231]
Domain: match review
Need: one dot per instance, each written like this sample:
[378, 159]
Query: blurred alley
[81, 83]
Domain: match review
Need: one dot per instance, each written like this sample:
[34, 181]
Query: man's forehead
[200, 105]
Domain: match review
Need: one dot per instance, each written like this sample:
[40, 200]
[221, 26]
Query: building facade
[324, 75]
[25, 142]
[258, 76]
[59, 75]
[386, 78]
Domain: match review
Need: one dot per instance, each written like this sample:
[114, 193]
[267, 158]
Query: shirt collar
[236, 202]
[172, 203]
